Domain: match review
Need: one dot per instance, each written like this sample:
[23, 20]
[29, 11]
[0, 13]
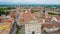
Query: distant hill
[33, 5]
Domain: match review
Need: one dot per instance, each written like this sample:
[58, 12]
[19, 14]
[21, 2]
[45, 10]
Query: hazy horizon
[30, 2]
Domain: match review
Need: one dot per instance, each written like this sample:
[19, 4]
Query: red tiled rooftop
[57, 32]
[20, 19]
[51, 25]
[0, 16]
[6, 31]
[58, 18]
[10, 20]
[27, 16]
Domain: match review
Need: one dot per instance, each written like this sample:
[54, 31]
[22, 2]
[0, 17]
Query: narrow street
[22, 30]
[13, 30]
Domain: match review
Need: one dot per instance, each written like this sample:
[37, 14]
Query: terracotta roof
[5, 32]
[10, 20]
[7, 29]
[27, 17]
[56, 32]
[58, 18]
[51, 25]
[0, 16]
[20, 19]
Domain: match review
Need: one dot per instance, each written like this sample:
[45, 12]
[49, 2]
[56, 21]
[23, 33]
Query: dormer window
[54, 27]
[7, 18]
[43, 11]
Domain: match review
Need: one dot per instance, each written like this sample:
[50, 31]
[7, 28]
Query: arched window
[33, 32]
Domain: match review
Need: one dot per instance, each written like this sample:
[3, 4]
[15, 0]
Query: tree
[2, 12]
[6, 13]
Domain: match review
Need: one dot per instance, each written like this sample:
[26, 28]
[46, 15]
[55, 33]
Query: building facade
[33, 28]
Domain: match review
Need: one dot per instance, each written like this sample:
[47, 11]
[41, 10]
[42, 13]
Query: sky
[29, 1]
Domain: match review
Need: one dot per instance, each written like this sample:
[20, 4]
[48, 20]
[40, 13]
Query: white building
[33, 28]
